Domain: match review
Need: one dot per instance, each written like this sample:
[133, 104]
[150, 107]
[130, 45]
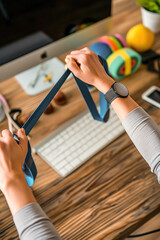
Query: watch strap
[111, 95]
[117, 90]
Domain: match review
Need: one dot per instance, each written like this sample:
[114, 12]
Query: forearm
[17, 192]
[141, 128]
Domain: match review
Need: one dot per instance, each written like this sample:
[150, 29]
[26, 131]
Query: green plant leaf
[150, 5]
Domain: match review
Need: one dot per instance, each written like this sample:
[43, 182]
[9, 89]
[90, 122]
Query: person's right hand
[12, 156]
[86, 66]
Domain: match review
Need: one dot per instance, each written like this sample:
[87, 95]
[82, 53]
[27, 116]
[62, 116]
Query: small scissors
[41, 72]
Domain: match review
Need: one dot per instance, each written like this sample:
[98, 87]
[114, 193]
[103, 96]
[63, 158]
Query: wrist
[9, 182]
[103, 85]
[17, 193]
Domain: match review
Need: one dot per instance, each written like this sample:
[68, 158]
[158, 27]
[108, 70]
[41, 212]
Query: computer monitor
[58, 26]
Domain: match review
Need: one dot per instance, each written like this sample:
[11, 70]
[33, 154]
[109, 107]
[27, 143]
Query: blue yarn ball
[101, 49]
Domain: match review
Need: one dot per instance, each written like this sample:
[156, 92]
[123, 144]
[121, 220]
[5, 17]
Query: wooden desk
[114, 192]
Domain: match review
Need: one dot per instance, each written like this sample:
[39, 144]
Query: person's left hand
[12, 156]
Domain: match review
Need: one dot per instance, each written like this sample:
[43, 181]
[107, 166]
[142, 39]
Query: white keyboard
[74, 143]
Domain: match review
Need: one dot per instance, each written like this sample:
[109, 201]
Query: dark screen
[155, 96]
[55, 18]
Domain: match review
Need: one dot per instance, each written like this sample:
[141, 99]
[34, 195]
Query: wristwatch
[117, 90]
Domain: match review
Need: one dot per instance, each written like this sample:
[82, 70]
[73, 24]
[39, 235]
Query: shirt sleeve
[145, 134]
[32, 224]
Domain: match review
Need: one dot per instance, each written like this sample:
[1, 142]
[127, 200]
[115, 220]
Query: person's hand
[86, 66]
[12, 156]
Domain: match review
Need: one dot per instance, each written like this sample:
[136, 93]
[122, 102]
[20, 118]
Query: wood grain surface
[114, 192]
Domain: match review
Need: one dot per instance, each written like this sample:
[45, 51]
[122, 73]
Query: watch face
[121, 90]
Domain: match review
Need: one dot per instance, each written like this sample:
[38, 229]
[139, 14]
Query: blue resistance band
[29, 167]
[104, 106]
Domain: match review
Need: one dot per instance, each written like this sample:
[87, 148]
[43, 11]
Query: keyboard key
[74, 143]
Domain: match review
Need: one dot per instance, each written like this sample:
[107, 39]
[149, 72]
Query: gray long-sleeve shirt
[32, 223]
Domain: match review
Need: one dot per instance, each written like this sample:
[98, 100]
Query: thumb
[73, 66]
[23, 140]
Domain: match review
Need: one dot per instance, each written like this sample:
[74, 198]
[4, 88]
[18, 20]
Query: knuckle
[84, 58]
[90, 51]
[93, 54]
[86, 48]
[72, 52]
